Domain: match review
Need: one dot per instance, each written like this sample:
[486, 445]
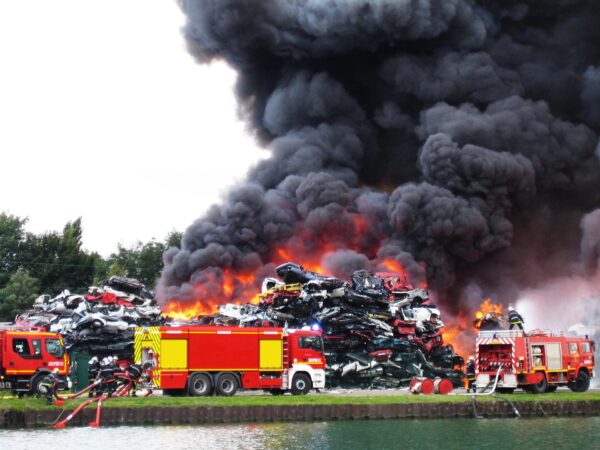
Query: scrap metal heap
[100, 322]
[378, 329]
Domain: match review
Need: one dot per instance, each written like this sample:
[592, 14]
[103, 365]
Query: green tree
[143, 261]
[174, 239]
[78, 264]
[115, 269]
[18, 294]
[101, 268]
[12, 241]
[58, 260]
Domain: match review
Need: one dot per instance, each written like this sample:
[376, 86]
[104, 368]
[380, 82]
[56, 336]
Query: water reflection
[548, 433]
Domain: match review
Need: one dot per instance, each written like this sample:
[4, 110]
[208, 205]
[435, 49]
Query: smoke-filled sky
[104, 115]
[457, 137]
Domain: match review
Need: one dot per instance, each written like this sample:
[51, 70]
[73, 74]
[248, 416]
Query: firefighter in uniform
[93, 373]
[515, 319]
[470, 375]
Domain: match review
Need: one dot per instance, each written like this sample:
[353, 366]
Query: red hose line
[63, 423]
[76, 394]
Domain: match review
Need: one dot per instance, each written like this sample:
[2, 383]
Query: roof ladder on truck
[286, 353]
[528, 354]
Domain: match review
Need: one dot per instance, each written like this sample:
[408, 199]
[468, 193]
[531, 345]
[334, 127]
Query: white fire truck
[538, 361]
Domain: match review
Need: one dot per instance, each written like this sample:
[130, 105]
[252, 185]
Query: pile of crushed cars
[379, 331]
[100, 322]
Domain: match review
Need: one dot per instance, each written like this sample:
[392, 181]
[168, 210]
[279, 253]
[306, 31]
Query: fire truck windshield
[55, 348]
[313, 342]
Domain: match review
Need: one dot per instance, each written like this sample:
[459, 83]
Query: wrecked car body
[100, 322]
[378, 330]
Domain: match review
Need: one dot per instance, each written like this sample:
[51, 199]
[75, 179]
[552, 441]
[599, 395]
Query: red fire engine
[198, 360]
[538, 361]
[26, 357]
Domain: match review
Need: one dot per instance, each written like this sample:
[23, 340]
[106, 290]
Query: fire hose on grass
[491, 394]
[119, 385]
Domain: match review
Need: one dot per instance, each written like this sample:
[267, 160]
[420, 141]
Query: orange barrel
[427, 386]
[443, 386]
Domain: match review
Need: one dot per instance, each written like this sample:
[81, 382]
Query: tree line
[48, 263]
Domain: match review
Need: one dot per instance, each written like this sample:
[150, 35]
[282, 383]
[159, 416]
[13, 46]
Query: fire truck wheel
[551, 388]
[301, 384]
[37, 385]
[581, 383]
[200, 385]
[227, 385]
[540, 387]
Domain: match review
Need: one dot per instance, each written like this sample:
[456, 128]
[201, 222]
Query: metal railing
[518, 333]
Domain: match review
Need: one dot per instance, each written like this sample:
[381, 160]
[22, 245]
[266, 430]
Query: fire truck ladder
[528, 354]
[286, 353]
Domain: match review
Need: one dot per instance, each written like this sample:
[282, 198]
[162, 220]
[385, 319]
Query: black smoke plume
[457, 137]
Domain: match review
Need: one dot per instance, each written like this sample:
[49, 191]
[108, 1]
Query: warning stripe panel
[487, 341]
[152, 335]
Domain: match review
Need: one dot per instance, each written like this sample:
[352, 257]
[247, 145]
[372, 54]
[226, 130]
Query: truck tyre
[200, 385]
[551, 388]
[37, 387]
[227, 384]
[581, 383]
[540, 387]
[301, 384]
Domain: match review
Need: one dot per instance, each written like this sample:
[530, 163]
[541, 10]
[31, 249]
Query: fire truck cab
[26, 357]
[202, 360]
[538, 361]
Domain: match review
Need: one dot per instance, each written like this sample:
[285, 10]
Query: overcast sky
[104, 115]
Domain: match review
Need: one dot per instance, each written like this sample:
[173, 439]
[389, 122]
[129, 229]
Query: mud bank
[188, 415]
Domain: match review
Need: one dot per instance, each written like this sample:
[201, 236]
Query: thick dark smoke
[456, 137]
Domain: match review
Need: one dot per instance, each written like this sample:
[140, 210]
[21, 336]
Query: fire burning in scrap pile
[453, 142]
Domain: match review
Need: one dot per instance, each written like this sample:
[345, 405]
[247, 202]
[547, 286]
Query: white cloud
[104, 115]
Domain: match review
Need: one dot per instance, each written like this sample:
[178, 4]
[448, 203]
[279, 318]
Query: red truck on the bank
[201, 360]
[26, 357]
[537, 361]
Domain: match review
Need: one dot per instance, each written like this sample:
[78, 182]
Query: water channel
[543, 433]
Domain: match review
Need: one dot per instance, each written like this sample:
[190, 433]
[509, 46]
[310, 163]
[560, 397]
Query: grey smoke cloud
[590, 242]
[457, 137]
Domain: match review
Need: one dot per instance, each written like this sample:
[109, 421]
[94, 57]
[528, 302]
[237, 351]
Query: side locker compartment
[270, 346]
[271, 351]
[173, 354]
[173, 358]
[554, 356]
[520, 353]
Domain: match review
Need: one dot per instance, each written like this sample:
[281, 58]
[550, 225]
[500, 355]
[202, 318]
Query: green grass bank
[33, 412]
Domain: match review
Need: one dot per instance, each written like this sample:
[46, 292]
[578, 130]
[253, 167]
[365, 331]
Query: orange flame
[179, 310]
[489, 307]
[394, 266]
[218, 288]
[313, 263]
[458, 332]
